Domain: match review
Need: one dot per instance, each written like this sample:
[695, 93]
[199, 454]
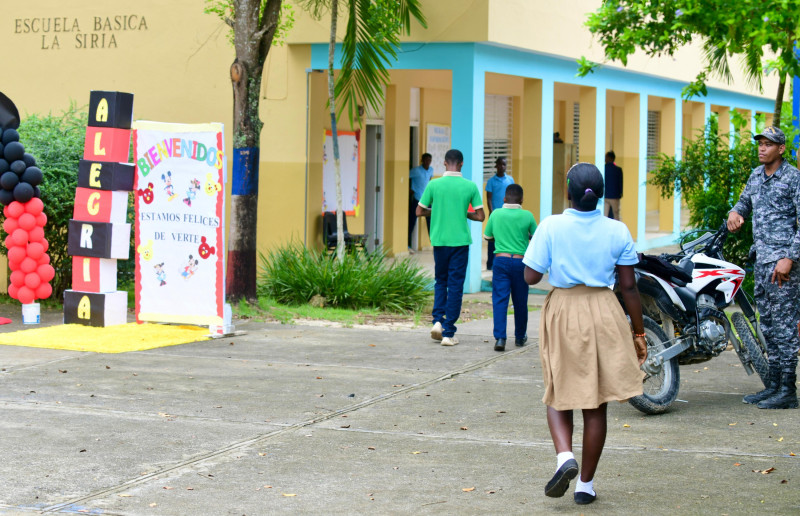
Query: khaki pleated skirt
[586, 348]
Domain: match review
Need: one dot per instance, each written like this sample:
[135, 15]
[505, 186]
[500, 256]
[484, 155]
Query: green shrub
[293, 274]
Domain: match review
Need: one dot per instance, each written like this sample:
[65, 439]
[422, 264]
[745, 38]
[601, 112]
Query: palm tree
[370, 43]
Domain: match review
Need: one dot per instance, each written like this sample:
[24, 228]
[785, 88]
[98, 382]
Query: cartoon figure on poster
[180, 240]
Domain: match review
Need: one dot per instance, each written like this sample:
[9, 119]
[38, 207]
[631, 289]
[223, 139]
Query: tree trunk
[252, 41]
[776, 115]
[337, 164]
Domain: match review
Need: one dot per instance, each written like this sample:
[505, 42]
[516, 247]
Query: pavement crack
[253, 441]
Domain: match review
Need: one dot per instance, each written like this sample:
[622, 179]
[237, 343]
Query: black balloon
[23, 193]
[10, 135]
[18, 167]
[32, 176]
[9, 180]
[6, 197]
[29, 159]
[13, 151]
[37, 192]
[4, 167]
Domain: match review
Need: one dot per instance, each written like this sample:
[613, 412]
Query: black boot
[786, 397]
[773, 385]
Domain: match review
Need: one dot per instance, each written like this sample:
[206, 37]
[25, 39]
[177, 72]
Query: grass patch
[269, 309]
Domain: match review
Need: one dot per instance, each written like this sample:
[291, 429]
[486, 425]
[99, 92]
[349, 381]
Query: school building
[489, 77]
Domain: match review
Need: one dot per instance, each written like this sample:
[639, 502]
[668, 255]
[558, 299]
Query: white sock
[585, 487]
[563, 457]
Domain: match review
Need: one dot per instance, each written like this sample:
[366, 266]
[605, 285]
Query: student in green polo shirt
[447, 201]
[511, 228]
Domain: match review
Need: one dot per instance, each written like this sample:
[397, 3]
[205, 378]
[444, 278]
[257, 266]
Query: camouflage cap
[772, 134]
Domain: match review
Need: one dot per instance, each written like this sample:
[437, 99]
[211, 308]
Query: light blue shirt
[419, 178]
[496, 186]
[580, 248]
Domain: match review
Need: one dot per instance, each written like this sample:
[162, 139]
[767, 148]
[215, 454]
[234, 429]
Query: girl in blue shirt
[588, 354]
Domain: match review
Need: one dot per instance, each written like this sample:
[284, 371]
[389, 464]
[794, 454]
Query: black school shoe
[559, 484]
[500, 345]
[520, 342]
[584, 498]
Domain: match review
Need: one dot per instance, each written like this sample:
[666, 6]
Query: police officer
[772, 195]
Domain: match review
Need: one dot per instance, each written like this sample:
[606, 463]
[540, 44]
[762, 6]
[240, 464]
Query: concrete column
[631, 162]
[587, 131]
[667, 146]
[546, 138]
[599, 131]
[678, 149]
[396, 167]
[641, 202]
[467, 136]
[530, 172]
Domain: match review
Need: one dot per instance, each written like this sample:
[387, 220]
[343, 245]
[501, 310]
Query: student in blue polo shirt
[496, 190]
[588, 354]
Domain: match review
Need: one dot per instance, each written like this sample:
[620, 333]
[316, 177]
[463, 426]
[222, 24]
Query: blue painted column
[546, 179]
[467, 136]
[600, 136]
[641, 215]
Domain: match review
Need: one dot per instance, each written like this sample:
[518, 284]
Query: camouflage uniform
[774, 202]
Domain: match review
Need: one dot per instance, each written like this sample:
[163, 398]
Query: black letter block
[110, 109]
[90, 309]
[98, 239]
[105, 175]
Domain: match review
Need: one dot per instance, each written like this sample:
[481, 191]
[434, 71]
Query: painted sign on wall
[348, 153]
[180, 201]
[437, 143]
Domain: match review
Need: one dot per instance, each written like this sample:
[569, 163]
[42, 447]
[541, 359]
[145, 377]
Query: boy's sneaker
[449, 341]
[436, 331]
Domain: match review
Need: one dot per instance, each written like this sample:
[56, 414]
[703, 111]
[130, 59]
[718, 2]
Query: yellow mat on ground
[112, 339]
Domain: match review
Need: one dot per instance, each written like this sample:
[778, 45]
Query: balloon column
[25, 219]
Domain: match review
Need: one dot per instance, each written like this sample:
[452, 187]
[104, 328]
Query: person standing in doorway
[450, 197]
[613, 180]
[772, 196]
[588, 354]
[418, 179]
[496, 192]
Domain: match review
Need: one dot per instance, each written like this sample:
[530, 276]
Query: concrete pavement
[308, 420]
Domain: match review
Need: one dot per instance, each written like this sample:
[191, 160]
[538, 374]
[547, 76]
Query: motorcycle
[684, 297]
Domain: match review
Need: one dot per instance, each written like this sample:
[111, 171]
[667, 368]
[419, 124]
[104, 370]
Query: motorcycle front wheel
[758, 356]
[660, 389]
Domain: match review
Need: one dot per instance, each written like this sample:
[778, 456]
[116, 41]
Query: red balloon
[25, 295]
[17, 278]
[43, 291]
[10, 225]
[44, 260]
[32, 280]
[19, 236]
[9, 243]
[34, 206]
[5, 211]
[46, 272]
[15, 255]
[15, 209]
[27, 265]
[27, 221]
[41, 219]
[13, 291]
[35, 250]
[36, 234]
[45, 244]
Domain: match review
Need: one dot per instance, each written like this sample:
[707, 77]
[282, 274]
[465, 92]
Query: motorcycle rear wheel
[660, 390]
[758, 356]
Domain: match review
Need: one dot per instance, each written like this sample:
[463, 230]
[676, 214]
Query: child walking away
[450, 198]
[510, 228]
[589, 356]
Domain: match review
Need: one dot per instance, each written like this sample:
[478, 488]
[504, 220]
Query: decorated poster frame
[437, 143]
[179, 223]
[350, 158]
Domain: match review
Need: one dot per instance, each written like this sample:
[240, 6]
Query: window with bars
[497, 132]
[653, 139]
[576, 128]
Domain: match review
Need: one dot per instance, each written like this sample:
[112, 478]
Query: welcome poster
[180, 201]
